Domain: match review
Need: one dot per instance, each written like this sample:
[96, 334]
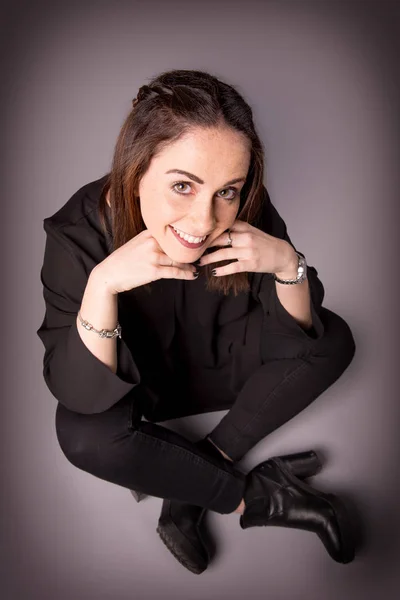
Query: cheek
[161, 214]
[228, 213]
[170, 210]
[152, 205]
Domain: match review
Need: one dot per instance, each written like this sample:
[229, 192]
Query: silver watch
[301, 272]
[103, 333]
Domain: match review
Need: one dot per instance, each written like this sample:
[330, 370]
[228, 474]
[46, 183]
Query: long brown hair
[163, 111]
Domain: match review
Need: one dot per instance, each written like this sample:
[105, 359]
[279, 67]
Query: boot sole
[339, 509]
[167, 532]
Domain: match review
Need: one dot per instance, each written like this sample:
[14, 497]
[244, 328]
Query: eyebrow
[198, 180]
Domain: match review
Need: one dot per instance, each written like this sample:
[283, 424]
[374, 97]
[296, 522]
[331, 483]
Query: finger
[176, 272]
[232, 268]
[224, 254]
[237, 229]
[223, 239]
[166, 261]
[185, 266]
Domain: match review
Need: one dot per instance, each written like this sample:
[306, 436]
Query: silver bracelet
[103, 333]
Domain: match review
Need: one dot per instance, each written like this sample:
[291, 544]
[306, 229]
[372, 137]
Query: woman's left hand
[255, 251]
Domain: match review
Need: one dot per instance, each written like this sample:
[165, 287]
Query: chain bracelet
[103, 333]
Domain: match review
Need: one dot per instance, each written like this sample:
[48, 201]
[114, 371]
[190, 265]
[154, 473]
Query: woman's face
[204, 203]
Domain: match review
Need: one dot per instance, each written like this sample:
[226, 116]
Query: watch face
[302, 261]
[302, 268]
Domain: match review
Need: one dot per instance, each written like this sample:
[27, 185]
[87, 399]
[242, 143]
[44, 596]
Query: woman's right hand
[140, 261]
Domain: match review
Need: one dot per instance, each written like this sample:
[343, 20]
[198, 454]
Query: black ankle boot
[274, 495]
[179, 525]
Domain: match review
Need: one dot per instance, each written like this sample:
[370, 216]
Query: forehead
[206, 148]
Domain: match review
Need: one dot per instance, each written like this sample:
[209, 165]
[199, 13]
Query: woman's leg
[117, 446]
[297, 370]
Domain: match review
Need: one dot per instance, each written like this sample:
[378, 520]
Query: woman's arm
[295, 299]
[85, 373]
[100, 308]
[289, 306]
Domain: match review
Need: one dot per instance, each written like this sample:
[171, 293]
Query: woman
[134, 329]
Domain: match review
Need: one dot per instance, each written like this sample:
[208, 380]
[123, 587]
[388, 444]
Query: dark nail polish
[214, 272]
[196, 273]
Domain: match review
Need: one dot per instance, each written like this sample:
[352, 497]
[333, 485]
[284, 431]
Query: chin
[185, 258]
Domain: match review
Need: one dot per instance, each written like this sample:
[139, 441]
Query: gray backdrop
[322, 79]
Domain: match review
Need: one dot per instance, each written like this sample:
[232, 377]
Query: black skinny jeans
[118, 446]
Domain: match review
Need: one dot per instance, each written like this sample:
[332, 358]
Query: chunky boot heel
[275, 496]
[180, 525]
[301, 464]
[138, 495]
[179, 528]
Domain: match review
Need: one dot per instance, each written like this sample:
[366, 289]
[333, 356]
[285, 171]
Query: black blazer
[175, 341]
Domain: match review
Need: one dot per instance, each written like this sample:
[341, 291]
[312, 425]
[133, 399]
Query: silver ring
[229, 238]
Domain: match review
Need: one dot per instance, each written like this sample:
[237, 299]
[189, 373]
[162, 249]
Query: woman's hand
[140, 261]
[255, 251]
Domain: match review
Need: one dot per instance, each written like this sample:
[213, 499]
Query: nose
[203, 219]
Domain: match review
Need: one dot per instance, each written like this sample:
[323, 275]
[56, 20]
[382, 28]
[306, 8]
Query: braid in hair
[146, 91]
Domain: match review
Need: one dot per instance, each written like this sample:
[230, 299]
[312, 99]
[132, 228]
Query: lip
[186, 243]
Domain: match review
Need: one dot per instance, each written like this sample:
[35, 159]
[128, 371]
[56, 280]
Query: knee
[338, 340]
[75, 446]
[85, 440]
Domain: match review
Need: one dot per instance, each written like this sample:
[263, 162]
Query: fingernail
[214, 271]
[196, 273]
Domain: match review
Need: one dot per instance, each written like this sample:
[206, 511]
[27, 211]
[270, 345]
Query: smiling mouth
[185, 242]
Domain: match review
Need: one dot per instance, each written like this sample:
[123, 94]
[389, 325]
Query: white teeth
[189, 238]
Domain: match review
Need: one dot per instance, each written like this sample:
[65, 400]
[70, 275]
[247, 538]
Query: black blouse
[184, 349]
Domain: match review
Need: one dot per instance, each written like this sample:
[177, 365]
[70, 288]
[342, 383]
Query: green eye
[179, 183]
[232, 189]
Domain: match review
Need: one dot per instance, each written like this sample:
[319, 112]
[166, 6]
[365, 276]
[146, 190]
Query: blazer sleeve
[75, 376]
[280, 319]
